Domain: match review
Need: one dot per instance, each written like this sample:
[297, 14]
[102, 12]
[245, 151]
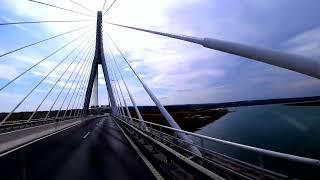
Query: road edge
[153, 170]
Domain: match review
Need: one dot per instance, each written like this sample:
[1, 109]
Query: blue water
[289, 129]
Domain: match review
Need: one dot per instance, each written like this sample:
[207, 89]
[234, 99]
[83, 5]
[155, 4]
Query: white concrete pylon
[94, 96]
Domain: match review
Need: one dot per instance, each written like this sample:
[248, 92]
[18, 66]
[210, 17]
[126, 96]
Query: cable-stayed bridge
[73, 142]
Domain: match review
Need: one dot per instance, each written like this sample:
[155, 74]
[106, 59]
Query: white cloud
[305, 43]
[160, 63]
[177, 71]
[7, 72]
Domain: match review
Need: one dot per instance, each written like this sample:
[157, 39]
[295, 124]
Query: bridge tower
[94, 96]
[99, 59]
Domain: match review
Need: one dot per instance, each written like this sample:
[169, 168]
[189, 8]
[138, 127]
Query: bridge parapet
[213, 161]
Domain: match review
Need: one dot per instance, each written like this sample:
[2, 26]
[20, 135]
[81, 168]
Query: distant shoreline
[306, 103]
[188, 119]
[190, 116]
[294, 100]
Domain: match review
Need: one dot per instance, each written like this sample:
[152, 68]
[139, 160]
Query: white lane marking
[85, 136]
[153, 170]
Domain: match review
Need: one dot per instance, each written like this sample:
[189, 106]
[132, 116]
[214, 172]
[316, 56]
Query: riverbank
[188, 119]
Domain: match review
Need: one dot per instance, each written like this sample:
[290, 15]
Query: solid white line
[85, 136]
[154, 171]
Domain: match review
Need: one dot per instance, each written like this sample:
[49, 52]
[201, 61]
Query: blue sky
[178, 72]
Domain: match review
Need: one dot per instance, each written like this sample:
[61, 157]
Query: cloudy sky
[178, 72]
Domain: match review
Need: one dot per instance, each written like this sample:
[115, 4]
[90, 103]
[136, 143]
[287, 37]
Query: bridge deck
[96, 150]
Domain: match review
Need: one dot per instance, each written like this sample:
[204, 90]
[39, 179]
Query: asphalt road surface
[95, 150]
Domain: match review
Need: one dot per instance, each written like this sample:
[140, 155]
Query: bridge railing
[208, 146]
[21, 124]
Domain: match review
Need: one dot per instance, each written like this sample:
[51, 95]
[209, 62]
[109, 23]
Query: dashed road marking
[85, 136]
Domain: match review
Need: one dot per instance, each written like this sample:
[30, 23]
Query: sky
[177, 72]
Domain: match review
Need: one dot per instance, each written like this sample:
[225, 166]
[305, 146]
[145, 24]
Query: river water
[288, 129]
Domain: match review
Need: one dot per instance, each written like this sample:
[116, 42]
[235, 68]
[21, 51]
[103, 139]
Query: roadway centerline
[86, 135]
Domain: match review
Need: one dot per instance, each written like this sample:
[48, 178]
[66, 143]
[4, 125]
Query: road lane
[96, 150]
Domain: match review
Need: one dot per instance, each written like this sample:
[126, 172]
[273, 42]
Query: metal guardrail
[289, 157]
[21, 124]
[167, 134]
[172, 164]
[13, 140]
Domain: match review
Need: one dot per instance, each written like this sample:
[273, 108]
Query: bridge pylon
[99, 58]
[94, 96]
